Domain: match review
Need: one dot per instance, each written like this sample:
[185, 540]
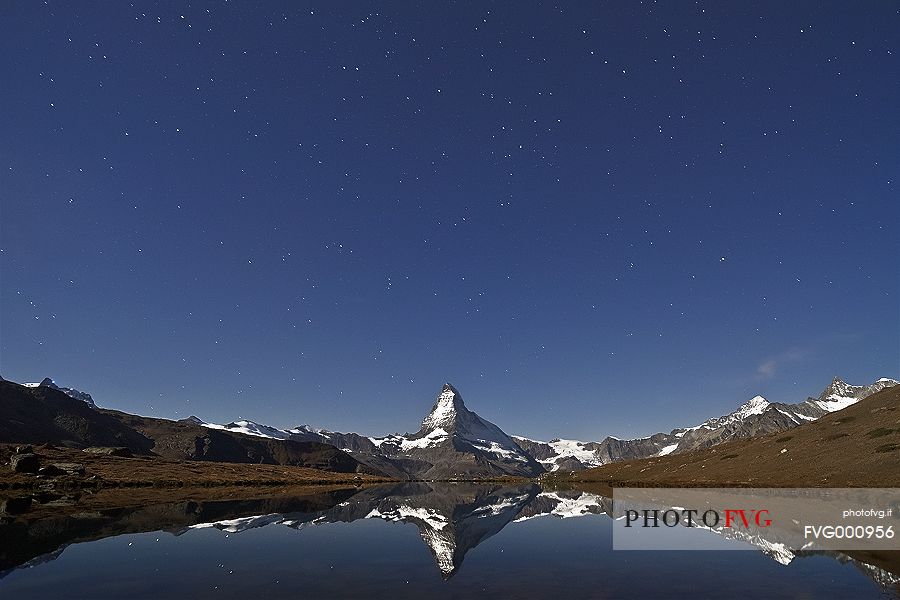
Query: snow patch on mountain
[492, 510]
[575, 449]
[495, 448]
[241, 524]
[567, 508]
[429, 517]
[667, 450]
[835, 402]
[433, 438]
[389, 439]
[301, 429]
[251, 428]
[565, 449]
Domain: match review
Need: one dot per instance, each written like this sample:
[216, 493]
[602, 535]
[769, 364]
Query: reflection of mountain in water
[451, 518]
[454, 519]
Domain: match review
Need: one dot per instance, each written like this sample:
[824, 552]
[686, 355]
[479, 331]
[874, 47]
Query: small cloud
[770, 366]
[767, 368]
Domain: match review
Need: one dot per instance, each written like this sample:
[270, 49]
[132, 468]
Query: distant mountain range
[452, 443]
[510, 454]
[755, 417]
[857, 446]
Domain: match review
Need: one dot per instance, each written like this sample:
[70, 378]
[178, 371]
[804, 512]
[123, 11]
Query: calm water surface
[411, 540]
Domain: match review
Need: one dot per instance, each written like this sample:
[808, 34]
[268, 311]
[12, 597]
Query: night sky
[592, 219]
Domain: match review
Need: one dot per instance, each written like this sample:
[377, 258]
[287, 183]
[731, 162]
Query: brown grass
[142, 472]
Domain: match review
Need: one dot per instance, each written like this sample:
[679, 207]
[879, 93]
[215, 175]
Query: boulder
[25, 463]
[109, 451]
[50, 471]
[14, 506]
[69, 468]
[61, 501]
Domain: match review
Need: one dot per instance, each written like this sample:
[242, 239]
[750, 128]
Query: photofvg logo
[689, 517]
[780, 520]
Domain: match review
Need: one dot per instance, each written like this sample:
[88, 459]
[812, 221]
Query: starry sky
[591, 218]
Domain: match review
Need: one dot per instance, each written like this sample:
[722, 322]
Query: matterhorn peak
[449, 403]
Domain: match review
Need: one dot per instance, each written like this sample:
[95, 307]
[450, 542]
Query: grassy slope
[112, 471]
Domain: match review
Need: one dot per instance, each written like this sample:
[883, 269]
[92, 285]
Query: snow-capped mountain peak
[301, 429]
[840, 394]
[71, 393]
[448, 406]
[251, 428]
[451, 427]
[754, 406]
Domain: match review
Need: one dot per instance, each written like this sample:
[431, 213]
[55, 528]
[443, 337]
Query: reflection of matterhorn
[452, 519]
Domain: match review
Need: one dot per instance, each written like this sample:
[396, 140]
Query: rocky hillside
[70, 392]
[43, 414]
[39, 414]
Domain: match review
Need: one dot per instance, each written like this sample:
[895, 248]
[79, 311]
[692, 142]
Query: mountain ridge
[858, 446]
[454, 442]
[46, 415]
[755, 417]
[70, 392]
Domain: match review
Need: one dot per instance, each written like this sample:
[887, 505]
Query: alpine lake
[406, 540]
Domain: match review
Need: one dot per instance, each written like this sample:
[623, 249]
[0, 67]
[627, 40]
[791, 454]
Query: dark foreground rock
[25, 463]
